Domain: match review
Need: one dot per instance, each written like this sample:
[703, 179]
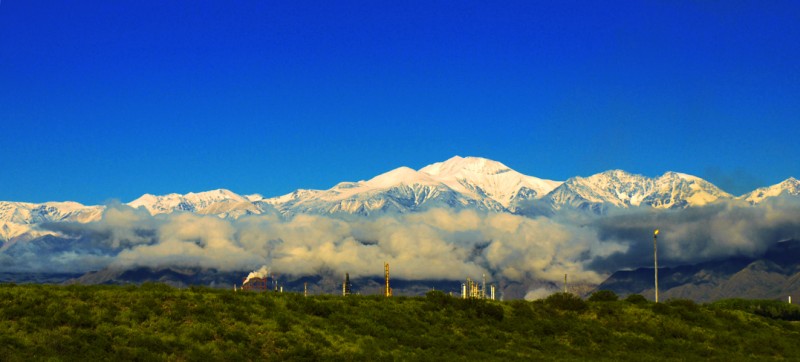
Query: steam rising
[437, 244]
[262, 273]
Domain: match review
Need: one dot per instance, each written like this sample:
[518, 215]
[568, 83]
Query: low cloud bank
[713, 232]
[436, 244]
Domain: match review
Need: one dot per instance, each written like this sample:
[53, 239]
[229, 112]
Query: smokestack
[492, 291]
[305, 289]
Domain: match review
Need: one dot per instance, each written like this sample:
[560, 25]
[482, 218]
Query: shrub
[603, 296]
[661, 308]
[489, 310]
[522, 309]
[766, 308]
[687, 309]
[682, 303]
[636, 299]
[565, 301]
[437, 300]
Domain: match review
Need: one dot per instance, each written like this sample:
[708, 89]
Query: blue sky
[109, 100]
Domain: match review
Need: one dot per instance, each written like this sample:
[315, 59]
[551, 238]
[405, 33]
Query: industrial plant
[262, 281]
[258, 281]
[472, 290]
[255, 284]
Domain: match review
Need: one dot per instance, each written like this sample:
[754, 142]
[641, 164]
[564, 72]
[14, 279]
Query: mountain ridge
[773, 275]
[457, 183]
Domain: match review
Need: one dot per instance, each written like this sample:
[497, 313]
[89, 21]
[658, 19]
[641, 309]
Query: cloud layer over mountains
[434, 244]
[720, 230]
[460, 218]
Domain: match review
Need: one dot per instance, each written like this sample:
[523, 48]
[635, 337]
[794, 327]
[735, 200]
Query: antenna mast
[655, 260]
[483, 287]
[388, 290]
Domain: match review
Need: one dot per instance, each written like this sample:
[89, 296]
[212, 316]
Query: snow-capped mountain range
[789, 187]
[617, 188]
[458, 183]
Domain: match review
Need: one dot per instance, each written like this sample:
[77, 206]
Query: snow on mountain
[19, 219]
[400, 190]
[220, 202]
[457, 183]
[617, 188]
[460, 182]
[482, 178]
[192, 202]
[9, 230]
[789, 187]
[29, 213]
[254, 197]
[678, 190]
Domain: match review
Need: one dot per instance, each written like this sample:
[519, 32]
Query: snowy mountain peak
[254, 197]
[615, 173]
[192, 202]
[460, 182]
[457, 183]
[682, 176]
[622, 189]
[400, 175]
[788, 187]
[218, 193]
[484, 178]
[459, 164]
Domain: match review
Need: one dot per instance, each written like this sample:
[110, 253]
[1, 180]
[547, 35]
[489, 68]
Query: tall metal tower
[346, 285]
[388, 291]
[655, 260]
[483, 287]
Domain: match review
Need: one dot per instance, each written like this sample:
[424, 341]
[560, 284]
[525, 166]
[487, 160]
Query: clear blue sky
[105, 100]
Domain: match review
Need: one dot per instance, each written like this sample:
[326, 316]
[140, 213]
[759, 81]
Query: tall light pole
[655, 260]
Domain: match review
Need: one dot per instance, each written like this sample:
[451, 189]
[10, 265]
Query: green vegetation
[157, 322]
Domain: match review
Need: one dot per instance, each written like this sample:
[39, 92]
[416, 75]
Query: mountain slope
[617, 188]
[400, 190]
[18, 220]
[789, 187]
[457, 183]
[29, 213]
[774, 275]
[487, 178]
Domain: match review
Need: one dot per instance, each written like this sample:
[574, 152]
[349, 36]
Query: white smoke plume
[262, 273]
